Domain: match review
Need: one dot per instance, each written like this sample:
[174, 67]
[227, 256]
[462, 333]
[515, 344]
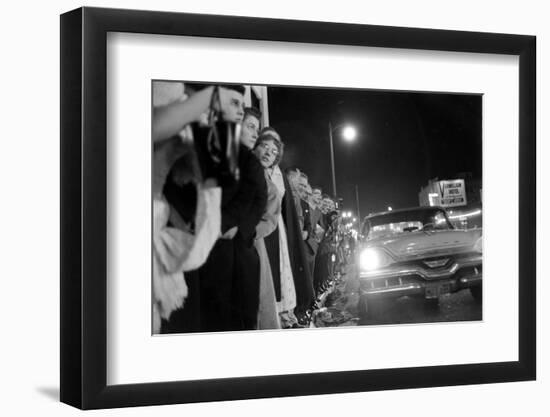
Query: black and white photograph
[302, 207]
[244, 208]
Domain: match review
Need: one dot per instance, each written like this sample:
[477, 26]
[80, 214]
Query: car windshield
[406, 221]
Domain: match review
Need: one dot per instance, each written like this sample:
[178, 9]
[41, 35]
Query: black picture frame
[84, 207]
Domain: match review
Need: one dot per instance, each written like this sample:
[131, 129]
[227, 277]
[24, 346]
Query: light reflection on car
[416, 252]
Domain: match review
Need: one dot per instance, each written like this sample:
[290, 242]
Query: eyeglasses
[273, 151]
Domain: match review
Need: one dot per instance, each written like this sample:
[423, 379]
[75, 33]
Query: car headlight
[478, 246]
[373, 258]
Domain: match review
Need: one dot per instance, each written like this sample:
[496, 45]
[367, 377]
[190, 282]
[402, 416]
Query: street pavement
[340, 308]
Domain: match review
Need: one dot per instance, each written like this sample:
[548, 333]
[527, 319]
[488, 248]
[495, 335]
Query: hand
[230, 234]
[304, 234]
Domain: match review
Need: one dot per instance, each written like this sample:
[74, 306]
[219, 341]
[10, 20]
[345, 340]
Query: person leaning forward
[243, 203]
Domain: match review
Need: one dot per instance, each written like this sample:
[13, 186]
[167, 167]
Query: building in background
[460, 195]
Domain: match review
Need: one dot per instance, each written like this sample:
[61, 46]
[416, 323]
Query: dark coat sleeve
[312, 239]
[181, 198]
[248, 204]
[303, 280]
[259, 200]
[274, 255]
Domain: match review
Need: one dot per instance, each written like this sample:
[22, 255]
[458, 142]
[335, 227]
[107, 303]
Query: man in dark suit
[311, 222]
[294, 222]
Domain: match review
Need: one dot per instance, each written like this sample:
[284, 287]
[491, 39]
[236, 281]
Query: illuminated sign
[451, 193]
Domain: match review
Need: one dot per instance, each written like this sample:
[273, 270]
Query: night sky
[403, 140]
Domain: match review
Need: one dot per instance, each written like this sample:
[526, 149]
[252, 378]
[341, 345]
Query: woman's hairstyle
[252, 111]
[268, 136]
[269, 129]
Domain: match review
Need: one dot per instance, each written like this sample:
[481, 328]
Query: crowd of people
[239, 243]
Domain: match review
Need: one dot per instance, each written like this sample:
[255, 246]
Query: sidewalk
[338, 305]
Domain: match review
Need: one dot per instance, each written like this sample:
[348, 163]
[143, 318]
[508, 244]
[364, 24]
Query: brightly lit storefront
[460, 196]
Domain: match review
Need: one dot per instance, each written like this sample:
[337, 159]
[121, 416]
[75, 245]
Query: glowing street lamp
[349, 134]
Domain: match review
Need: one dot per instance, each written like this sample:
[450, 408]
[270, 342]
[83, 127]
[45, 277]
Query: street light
[349, 135]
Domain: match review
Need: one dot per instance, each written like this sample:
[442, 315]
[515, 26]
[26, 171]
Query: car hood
[427, 243]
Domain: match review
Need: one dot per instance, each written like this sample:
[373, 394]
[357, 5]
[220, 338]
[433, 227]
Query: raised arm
[171, 119]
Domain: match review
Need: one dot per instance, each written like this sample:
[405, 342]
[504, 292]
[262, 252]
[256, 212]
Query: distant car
[416, 252]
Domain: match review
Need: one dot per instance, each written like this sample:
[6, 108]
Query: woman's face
[249, 131]
[266, 152]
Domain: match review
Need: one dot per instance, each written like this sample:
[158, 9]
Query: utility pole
[332, 160]
[357, 203]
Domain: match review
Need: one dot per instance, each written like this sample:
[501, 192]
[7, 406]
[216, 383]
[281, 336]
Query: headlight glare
[372, 258]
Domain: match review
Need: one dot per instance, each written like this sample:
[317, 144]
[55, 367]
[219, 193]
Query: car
[416, 252]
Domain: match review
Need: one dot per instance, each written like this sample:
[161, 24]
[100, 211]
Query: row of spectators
[238, 243]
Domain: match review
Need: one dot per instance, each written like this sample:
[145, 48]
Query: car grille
[468, 271]
[397, 281]
[394, 281]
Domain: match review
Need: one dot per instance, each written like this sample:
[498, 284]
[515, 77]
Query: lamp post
[357, 202]
[332, 160]
[349, 135]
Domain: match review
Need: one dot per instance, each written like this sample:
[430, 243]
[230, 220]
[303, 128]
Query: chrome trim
[423, 253]
[396, 291]
[470, 280]
[425, 273]
[414, 288]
